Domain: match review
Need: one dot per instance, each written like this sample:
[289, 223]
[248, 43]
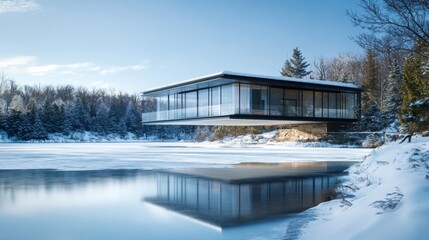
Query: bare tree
[346, 68]
[321, 65]
[397, 23]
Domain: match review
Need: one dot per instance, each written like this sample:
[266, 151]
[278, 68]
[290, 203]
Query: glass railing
[230, 109]
[186, 113]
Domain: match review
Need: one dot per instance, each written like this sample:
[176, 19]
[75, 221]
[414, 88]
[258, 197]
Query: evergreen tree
[24, 132]
[391, 96]
[414, 111]
[132, 121]
[54, 116]
[38, 131]
[16, 109]
[295, 67]
[370, 84]
[101, 121]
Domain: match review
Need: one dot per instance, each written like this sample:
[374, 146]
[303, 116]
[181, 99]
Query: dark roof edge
[229, 74]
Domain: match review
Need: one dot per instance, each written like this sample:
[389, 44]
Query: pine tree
[295, 67]
[414, 111]
[132, 121]
[391, 96]
[25, 129]
[38, 131]
[101, 121]
[370, 84]
[14, 120]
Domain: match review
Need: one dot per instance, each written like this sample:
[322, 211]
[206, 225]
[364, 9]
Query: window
[253, 99]
[172, 112]
[325, 104]
[276, 101]
[260, 100]
[162, 107]
[291, 106]
[191, 104]
[350, 111]
[203, 103]
[227, 100]
[307, 104]
[339, 105]
[215, 101]
[245, 99]
[318, 104]
[332, 105]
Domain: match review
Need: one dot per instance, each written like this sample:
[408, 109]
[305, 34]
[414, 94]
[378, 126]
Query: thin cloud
[28, 65]
[7, 6]
[16, 61]
[116, 69]
[61, 68]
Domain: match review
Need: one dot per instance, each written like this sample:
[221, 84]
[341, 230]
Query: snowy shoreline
[265, 139]
[384, 197]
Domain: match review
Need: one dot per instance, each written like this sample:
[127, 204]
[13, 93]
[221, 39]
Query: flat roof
[231, 77]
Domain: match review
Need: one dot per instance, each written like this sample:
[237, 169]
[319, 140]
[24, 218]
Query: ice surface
[138, 155]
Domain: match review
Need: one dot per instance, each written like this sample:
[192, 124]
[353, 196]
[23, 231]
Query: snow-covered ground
[386, 197]
[150, 155]
[267, 138]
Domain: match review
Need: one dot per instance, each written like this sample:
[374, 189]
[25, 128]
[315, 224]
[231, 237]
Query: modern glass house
[230, 98]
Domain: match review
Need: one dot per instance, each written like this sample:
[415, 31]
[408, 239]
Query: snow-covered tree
[38, 131]
[3, 115]
[391, 96]
[295, 67]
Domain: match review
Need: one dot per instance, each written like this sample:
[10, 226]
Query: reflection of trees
[15, 180]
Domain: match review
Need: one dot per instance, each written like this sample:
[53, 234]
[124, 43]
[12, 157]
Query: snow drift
[384, 197]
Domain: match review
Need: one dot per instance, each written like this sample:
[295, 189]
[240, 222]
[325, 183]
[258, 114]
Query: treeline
[28, 112]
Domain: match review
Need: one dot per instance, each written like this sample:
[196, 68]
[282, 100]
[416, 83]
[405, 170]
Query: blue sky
[135, 45]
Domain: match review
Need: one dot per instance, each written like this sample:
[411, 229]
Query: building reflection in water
[226, 204]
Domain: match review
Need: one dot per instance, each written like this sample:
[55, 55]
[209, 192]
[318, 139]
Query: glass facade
[252, 99]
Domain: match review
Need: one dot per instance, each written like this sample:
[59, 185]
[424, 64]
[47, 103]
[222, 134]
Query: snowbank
[386, 197]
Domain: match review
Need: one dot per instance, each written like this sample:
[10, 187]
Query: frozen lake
[96, 156]
[115, 191]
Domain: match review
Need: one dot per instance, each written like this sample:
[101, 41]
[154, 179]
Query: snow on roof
[309, 81]
[277, 78]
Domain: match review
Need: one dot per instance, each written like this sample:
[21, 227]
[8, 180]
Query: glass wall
[351, 106]
[203, 102]
[249, 99]
[227, 97]
[215, 101]
[318, 101]
[162, 105]
[276, 101]
[245, 93]
[291, 103]
[191, 104]
[307, 104]
[325, 105]
[253, 99]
